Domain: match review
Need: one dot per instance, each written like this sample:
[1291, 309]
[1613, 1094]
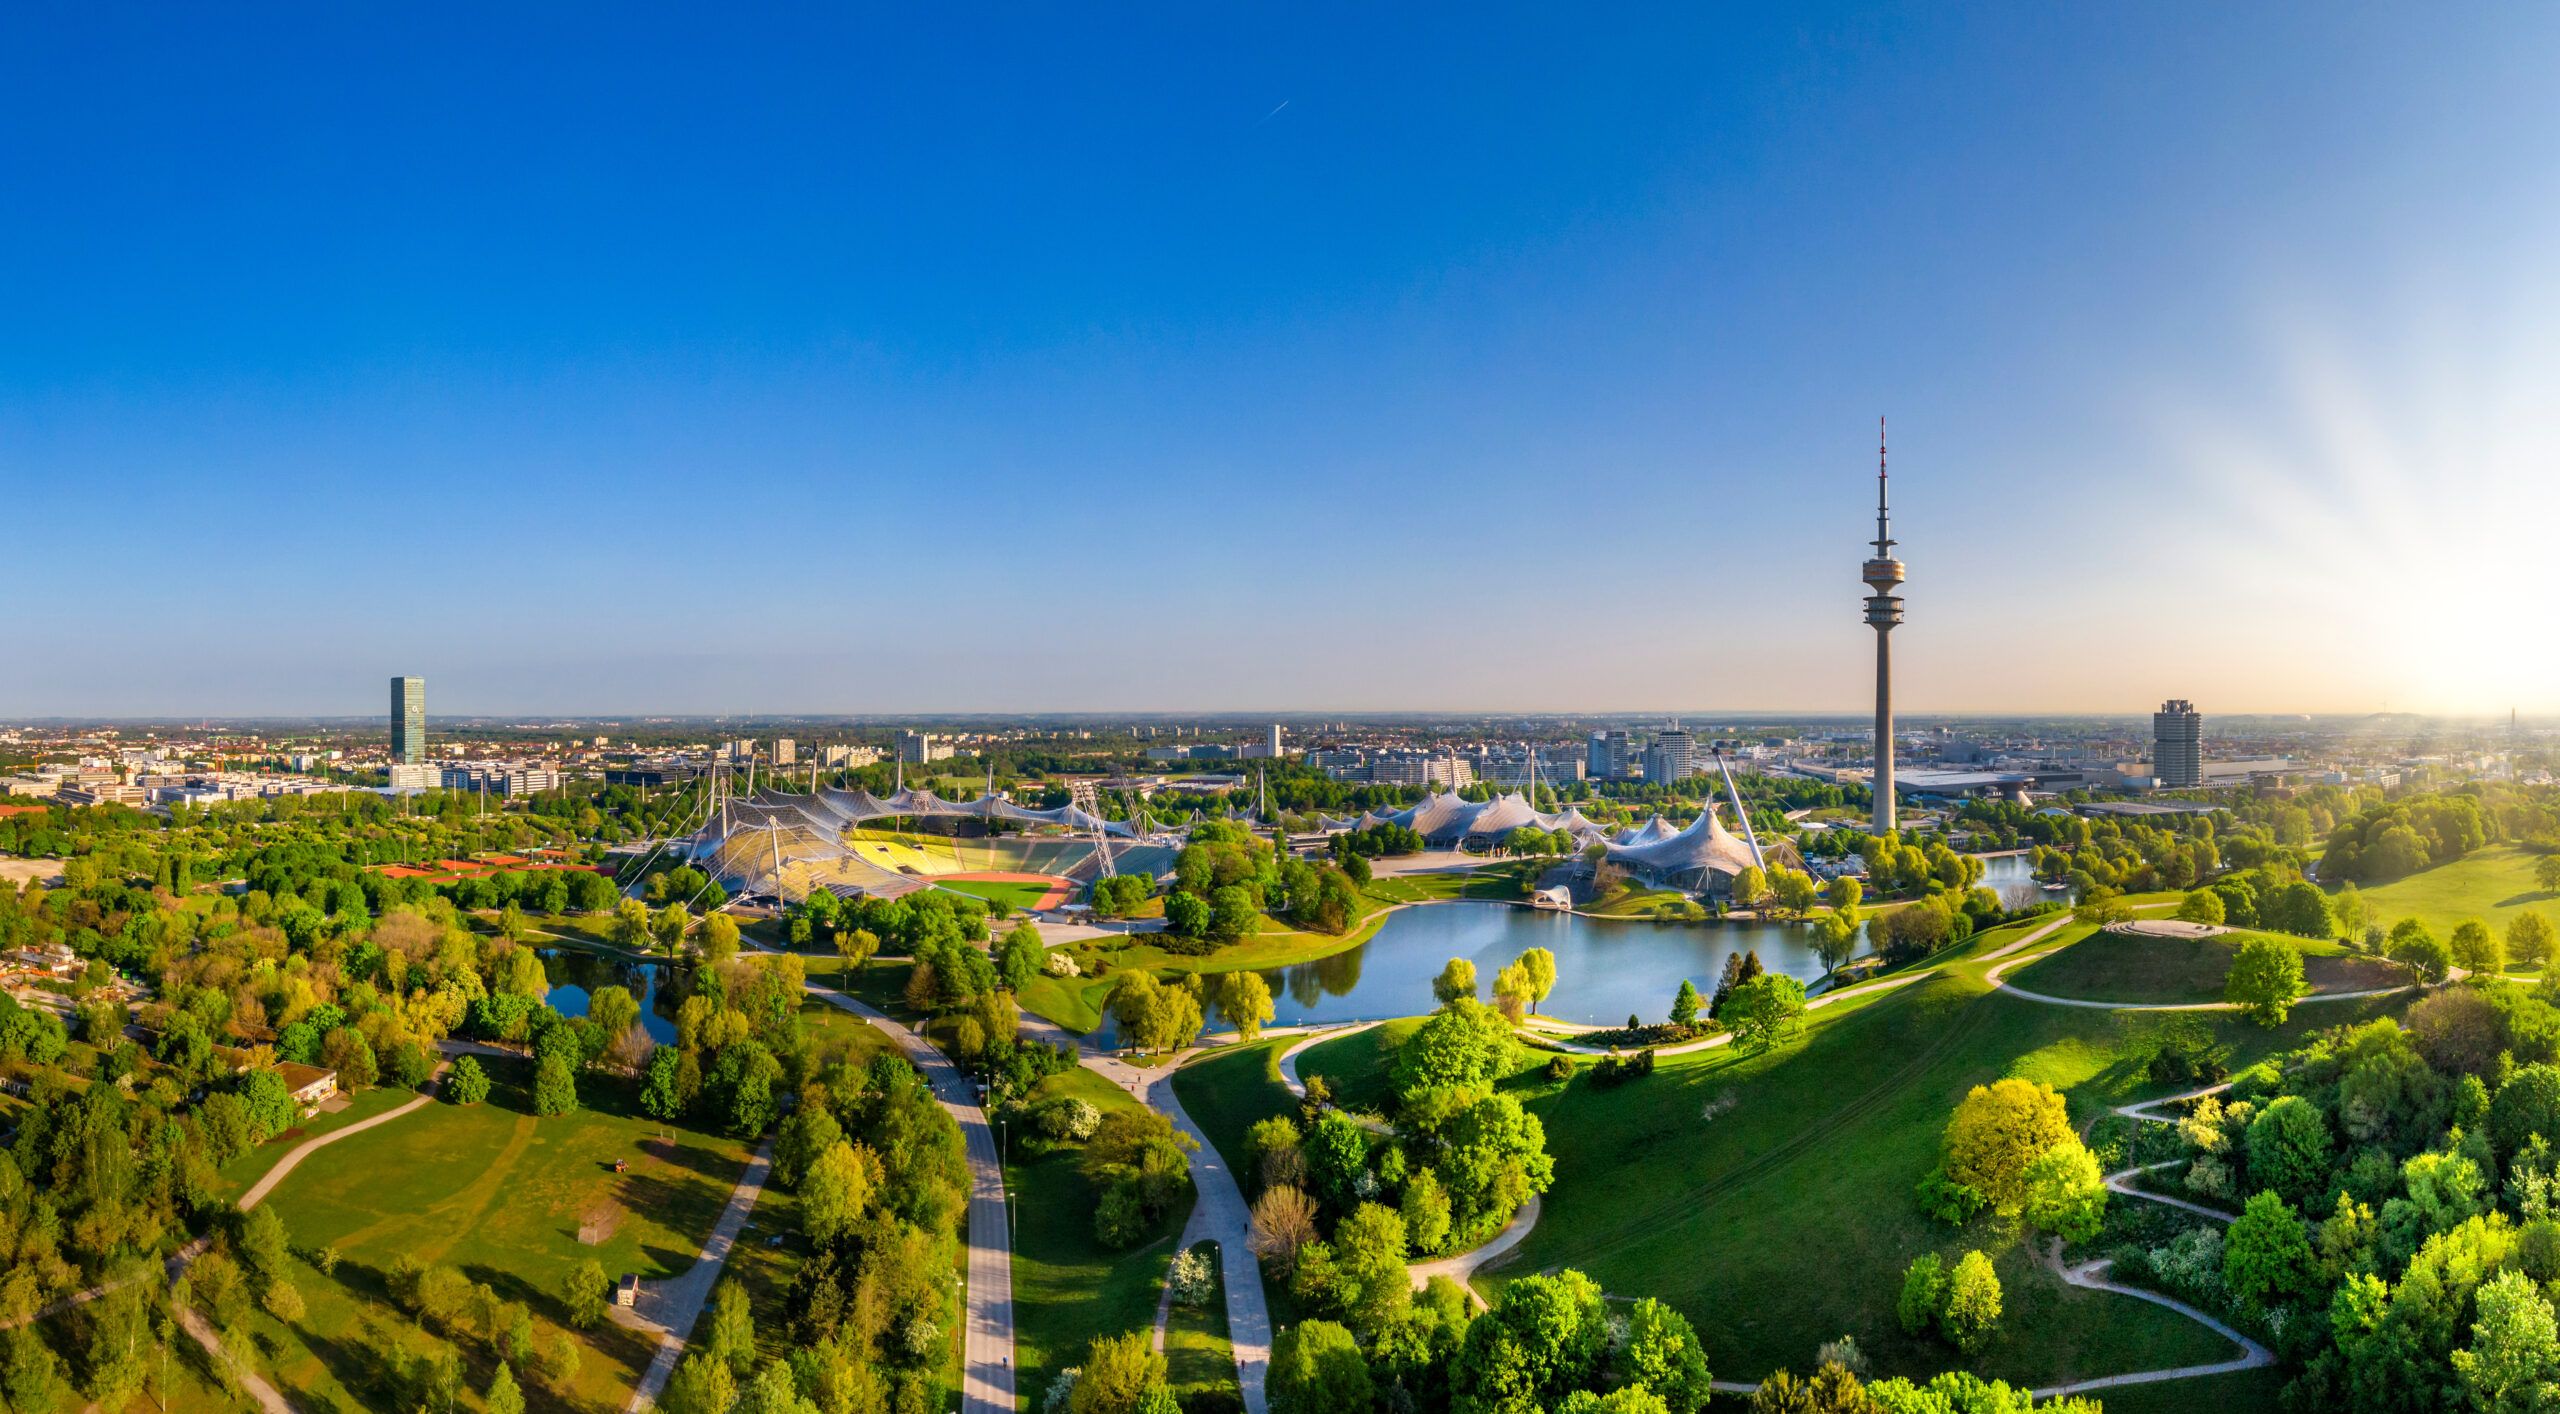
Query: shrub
[466, 1083]
[1924, 1285]
[1193, 1278]
[1560, 1069]
[1066, 1118]
[1973, 1303]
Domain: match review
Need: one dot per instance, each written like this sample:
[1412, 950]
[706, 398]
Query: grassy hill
[1798, 1190]
[2114, 967]
[2488, 884]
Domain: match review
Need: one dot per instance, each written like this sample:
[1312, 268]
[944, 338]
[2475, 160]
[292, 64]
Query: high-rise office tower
[2177, 744]
[1883, 574]
[408, 721]
[1275, 741]
[1671, 756]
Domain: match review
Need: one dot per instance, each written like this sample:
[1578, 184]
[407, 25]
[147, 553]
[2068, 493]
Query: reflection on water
[1606, 970]
[575, 977]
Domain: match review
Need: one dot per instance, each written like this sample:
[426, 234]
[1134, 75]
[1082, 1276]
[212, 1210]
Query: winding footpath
[2091, 1274]
[1219, 1215]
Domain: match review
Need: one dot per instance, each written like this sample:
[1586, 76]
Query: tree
[670, 925]
[1684, 1005]
[1464, 1043]
[585, 1292]
[2265, 980]
[1317, 1368]
[555, 1087]
[2266, 1257]
[1511, 993]
[1765, 1011]
[1973, 1303]
[2065, 1194]
[1245, 1000]
[504, 1397]
[1748, 886]
[612, 1011]
[1924, 1293]
[1186, 914]
[466, 1083]
[1284, 1220]
[2527, 1105]
[1456, 980]
[2529, 938]
[733, 1328]
[834, 1192]
[1795, 889]
[1998, 1131]
[1368, 1253]
[631, 923]
[1231, 913]
[1663, 1355]
[661, 1095]
[718, 938]
[1019, 960]
[1543, 1338]
[701, 1385]
[1540, 965]
[2201, 906]
[2413, 946]
[1426, 1212]
[2289, 1148]
[1119, 1371]
[2546, 873]
[2475, 949]
[2513, 1365]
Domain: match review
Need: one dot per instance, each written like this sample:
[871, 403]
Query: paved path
[671, 1307]
[1462, 1267]
[987, 1351]
[1219, 1216]
[1289, 1057]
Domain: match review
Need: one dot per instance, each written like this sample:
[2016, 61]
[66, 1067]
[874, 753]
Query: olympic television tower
[1883, 575]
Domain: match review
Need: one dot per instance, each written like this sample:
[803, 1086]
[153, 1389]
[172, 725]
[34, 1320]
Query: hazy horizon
[742, 363]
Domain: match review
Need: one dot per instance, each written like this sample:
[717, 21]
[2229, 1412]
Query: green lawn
[1231, 1089]
[1798, 1189]
[501, 1195]
[1020, 896]
[1357, 1065]
[1067, 1287]
[252, 1166]
[1637, 902]
[2114, 967]
[2490, 884]
[1198, 1355]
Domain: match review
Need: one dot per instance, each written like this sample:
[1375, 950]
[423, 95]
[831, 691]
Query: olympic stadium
[787, 845]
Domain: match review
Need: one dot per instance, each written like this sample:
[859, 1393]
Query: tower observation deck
[1883, 574]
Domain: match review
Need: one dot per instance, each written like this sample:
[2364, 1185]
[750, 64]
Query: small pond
[575, 976]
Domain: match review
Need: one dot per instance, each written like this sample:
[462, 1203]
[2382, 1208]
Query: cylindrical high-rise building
[1883, 573]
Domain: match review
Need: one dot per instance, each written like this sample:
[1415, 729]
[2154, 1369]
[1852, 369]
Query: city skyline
[796, 365]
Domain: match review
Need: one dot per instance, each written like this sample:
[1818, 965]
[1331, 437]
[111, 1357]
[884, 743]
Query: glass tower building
[408, 721]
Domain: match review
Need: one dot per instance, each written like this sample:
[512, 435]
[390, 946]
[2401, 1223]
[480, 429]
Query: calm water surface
[575, 977]
[1606, 969]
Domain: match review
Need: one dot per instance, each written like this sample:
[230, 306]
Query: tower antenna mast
[1883, 574]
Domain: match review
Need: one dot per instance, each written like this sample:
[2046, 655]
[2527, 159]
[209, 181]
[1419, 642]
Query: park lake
[1606, 969]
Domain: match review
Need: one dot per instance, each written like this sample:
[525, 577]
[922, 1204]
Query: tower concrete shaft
[1883, 574]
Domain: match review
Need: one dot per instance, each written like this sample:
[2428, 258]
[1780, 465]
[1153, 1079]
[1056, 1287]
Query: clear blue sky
[1068, 357]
